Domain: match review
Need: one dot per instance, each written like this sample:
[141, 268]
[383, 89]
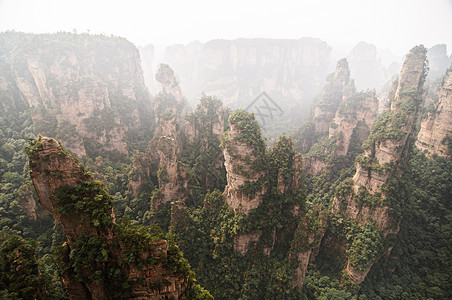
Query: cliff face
[363, 200]
[385, 148]
[332, 95]
[243, 149]
[338, 87]
[438, 61]
[354, 118]
[204, 129]
[435, 135]
[85, 212]
[163, 151]
[306, 242]
[83, 89]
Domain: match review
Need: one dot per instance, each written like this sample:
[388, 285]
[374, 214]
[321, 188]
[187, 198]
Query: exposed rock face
[204, 129]
[332, 95]
[435, 134]
[241, 157]
[354, 118]
[338, 87]
[242, 243]
[54, 172]
[141, 171]
[383, 153]
[164, 150]
[313, 165]
[170, 98]
[28, 203]
[77, 91]
[386, 148]
[306, 242]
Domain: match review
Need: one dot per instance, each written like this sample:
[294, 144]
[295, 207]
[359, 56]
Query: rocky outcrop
[242, 149]
[28, 202]
[140, 172]
[435, 135]
[388, 140]
[163, 151]
[204, 129]
[353, 119]
[306, 242]
[362, 199]
[85, 212]
[338, 87]
[77, 90]
[170, 99]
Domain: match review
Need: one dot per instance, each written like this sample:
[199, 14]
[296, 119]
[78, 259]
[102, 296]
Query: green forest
[223, 251]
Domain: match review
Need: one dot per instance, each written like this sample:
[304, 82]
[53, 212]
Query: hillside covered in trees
[108, 192]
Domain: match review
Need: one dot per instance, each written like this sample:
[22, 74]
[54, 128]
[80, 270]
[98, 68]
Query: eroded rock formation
[362, 199]
[243, 148]
[306, 242]
[163, 151]
[101, 257]
[337, 87]
[435, 135]
[77, 91]
[170, 99]
[354, 119]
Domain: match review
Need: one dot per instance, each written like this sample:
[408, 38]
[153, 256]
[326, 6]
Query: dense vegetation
[204, 227]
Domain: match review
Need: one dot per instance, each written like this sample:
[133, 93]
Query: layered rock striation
[353, 119]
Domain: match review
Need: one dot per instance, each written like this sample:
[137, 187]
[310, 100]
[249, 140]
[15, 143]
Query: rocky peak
[390, 133]
[170, 98]
[413, 73]
[165, 75]
[163, 151]
[337, 87]
[341, 76]
[362, 199]
[85, 211]
[435, 135]
[243, 149]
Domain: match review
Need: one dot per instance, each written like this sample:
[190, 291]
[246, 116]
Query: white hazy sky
[397, 25]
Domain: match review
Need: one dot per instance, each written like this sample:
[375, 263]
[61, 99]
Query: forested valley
[109, 192]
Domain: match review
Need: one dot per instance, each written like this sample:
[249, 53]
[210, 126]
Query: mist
[394, 25]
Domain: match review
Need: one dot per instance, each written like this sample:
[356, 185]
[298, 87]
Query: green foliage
[419, 263]
[201, 154]
[135, 240]
[366, 243]
[19, 270]
[89, 199]
[249, 130]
